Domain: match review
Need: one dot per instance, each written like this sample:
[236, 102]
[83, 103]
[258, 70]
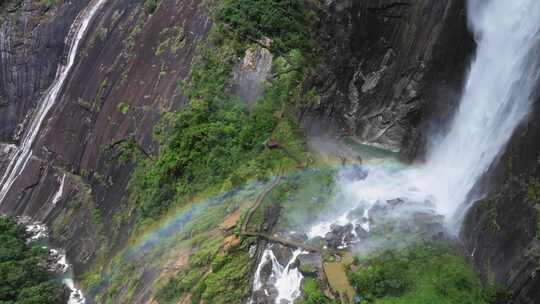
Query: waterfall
[19, 157]
[498, 94]
[285, 279]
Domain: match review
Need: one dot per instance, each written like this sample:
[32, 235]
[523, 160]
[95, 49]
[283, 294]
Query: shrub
[385, 276]
[151, 6]
[23, 277]
[423, 273]
[284, 22]
[312, 294]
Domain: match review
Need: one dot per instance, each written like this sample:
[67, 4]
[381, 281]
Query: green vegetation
[313, 294]
[423, 273]
[123, 108]
[174, 41]
[48, 4]
[151, 5]
[216, 142]
[533, 196]
[284, 23]
[211, 276]
[23, 277]
[313, 190]
[212, 145]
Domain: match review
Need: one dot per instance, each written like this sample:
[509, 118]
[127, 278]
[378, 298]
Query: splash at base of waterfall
[39, 233]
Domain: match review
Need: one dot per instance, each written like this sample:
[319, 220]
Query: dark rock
[283, 254]
[310, 264]
[396, 202]
[361, 233]
[377, 86]
[272, 143]
[378, 211]
[339, 236]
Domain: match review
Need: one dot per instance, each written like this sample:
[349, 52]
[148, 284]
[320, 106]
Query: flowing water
[38, 233]
[286, 279]
[19, 157]
[497, 97]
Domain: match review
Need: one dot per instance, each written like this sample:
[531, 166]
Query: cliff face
[391, 68]
[126, 75]
[501, 231]
[390, 65]
[31, 47]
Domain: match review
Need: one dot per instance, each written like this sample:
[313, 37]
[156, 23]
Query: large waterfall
[496, 98]
[19, 157]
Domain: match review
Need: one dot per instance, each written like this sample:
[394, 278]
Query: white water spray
[497, 97]
[285, 279]
[18, 158]
[58, 195]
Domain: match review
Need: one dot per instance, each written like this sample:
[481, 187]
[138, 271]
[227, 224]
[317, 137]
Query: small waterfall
[285, 279]
[19, 157]
[58, 195]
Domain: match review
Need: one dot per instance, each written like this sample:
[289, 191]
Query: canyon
[426, 112]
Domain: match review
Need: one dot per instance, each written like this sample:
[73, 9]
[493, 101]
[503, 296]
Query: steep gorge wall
[31, 47]
[501, 231]
[125, 77]
[392, 67]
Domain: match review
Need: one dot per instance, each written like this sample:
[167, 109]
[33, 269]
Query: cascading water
[497, 97]
[286, 279]
[19, 157]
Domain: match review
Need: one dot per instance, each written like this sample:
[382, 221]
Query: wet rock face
[389, 63]
[125, 76]
[500, 234]
[500, 231]
[31, 47]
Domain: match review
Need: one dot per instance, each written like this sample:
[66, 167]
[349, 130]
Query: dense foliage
[216, 141]
[313, 294]
[23, 278]
[423, 273]
[282, 22]
[203, 144]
